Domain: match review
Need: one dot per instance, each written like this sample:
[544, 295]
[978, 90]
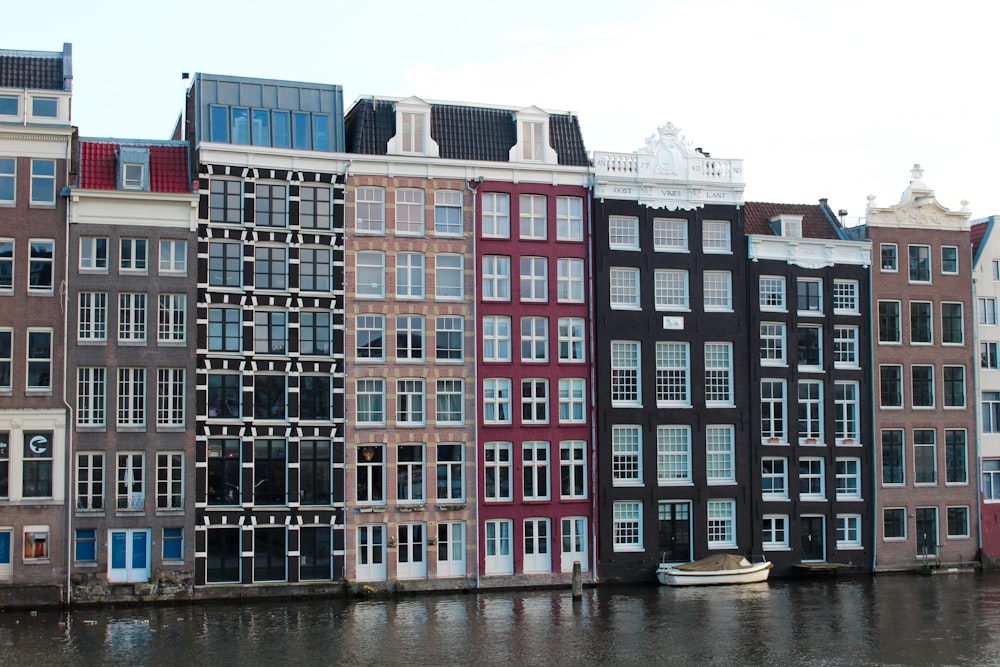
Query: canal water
[891, 620]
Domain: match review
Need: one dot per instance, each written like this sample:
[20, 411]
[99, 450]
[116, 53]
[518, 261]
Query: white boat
[716, 569]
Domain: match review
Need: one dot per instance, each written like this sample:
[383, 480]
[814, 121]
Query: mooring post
[577, 580]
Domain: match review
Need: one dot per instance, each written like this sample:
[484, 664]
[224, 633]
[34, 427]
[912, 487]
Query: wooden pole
[577, 580]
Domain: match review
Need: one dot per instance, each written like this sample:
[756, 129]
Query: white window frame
[572, 401]
[369, 199]
[369, 262]
[811, 412]
[535, 339]
[573, 470]
[624, 288]
[173, 257]
[720, 454]
[411, 402]
[569, 280]
[716, 237]
[718, 374]
[569, 218]
[845, 297]
[717, 290]
[409, 212]
[671, 290]
[535, 468]
[774, 478]
[572, 340]
[670, 235]
[534, 401]
[623, 232]
[772, 293]
[91, 396]
[497, 401]
[673, 455]
[92, 317]
[773, 347]
[673, 374]
[410, 276]
[775, 532]
[449, 277]
[534, 279]
[774, 411]
[496, 336]
[721, 518]
[849, 532]
[171, 318]
[496, 215]
[171, 397]
[812, 473]
[498, 463]
[845, 347]
[626, 526]
[848, 476]
[626, 373]
[132, 317]
[626, 455]
[447, 202]
[533, 217]
[496, 278]
[131, 394]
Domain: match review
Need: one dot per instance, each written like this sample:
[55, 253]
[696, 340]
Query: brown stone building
[922, 365]
[35, 140]
[130, 347]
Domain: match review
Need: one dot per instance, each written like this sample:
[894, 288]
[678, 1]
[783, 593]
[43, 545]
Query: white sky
[831, 99]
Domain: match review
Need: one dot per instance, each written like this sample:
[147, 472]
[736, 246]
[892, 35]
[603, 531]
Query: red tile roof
[978, 234]
[168, 165]
[815, 223]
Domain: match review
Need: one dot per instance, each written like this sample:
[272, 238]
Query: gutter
[68, 468]
[871, 398]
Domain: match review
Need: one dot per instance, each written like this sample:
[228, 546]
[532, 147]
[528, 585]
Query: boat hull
[756, 573]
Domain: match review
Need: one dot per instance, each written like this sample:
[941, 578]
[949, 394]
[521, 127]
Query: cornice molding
[809, 253]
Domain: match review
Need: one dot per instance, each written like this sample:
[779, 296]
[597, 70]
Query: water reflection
[890, 620]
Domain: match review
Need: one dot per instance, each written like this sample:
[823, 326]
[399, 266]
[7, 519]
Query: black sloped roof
[36, 72]
[461, 132]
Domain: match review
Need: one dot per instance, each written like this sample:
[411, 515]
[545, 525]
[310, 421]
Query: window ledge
[372, 509]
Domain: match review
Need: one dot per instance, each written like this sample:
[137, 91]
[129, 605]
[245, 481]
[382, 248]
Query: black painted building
[810, 418]
[672, 339]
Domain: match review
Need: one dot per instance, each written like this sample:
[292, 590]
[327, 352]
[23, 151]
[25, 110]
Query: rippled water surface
[899, 620]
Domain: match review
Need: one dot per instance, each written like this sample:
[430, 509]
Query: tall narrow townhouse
[130, 368]
[35, 165]
[415, 407]
[537, 508]
[922, 361]
[986, 286]
[672, 336]
[269, 478]
[811, 479]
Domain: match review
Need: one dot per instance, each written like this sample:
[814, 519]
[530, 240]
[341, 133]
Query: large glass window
[36, 464]
[316, 270]
[410, 275]
[534, 339]
[920, 263]
[224, 471]
[369, 338]
[271, 268]
[673, 454]
[315, 394]
[410, 338]
[449, 342]
[535, 470]
[449, 277]
[496, 337]
[496, 215]
[40, 265]
[170, 396]
[270, 397]
[718, 374]
[534, 279]
[451, 472]
[315, 466]
[409, 212]
[893, 467]
[410, 473]
[371, 474]
[314, 332]
[925, 456]
[673, 381]
[720, 454]
[496, 278]
[39, 359]
[315, 207]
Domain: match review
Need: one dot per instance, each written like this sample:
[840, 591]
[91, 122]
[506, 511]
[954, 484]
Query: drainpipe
[977, 410]
[68, 464]
[472, 186]
[593, 378]
[871, 397]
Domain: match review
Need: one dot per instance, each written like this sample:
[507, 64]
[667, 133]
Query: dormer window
[44, 107]
[532, 137]
[413, 129]
[8, 105]
[413, 132]
[531, 140]
[133, 168]
[788, 226]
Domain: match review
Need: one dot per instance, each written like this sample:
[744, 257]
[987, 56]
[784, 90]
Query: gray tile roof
[461, 132]
[32, 69]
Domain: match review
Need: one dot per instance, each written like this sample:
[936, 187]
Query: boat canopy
[716, 562]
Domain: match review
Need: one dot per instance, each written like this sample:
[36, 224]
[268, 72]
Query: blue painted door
[128, 561]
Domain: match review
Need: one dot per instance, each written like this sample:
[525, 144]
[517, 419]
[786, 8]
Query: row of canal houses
[433, 345]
